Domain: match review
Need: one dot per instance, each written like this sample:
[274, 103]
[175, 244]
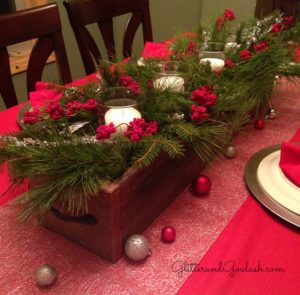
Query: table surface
[197, 220]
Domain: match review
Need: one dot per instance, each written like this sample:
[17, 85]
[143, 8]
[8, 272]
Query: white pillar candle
[121, 116]
[216, 64]
[170, 81]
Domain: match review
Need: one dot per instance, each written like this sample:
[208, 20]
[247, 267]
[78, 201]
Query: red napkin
[290, 161]
[156, 50]
[43, 95]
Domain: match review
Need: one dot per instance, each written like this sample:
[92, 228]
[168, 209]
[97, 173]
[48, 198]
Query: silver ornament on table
[45, 275]
[230, 152]
[271, 114]
[137, 248]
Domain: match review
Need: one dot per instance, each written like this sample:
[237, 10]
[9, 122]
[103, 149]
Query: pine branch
[151, 147]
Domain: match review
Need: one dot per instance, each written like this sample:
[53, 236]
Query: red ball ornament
[259, 124]
[168, 234]
[201, 184]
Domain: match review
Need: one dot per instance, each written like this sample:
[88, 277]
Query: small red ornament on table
[259, 124]
[168, 234]
[201, 185]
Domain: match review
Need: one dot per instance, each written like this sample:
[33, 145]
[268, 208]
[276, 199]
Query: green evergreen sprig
[69, 167]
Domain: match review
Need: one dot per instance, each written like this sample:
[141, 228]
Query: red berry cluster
[131, 84]
[261, 46]
[228, 15]
[204, 95]
[31, 117]
[286, 23]
[55, 110]
[105, 131]
[229, 63]
[245, 54]
[139, 128]
[199, 113]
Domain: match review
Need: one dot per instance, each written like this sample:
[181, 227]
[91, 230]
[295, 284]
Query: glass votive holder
[213, 53]
[212, 50]
[121, 111]
[111, 93]
[169, 76]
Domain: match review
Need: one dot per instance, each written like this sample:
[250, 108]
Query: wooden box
[126, 206]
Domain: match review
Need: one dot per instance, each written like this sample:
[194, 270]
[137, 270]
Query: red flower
[261, 46]
[229, 15]
[245, 54]
[220, 23]
[105, 131]
[139, 128]
[190, 48]
[204, 96]
[229, 63]
[276, 28]
[131, 84]
[31, 117]
[199, 114]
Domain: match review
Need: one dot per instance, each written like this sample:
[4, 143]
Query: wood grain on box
[127, 206]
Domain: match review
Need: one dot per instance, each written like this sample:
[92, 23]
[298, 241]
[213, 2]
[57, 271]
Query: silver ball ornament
[137, 248]
[45, 275]
[230, 152]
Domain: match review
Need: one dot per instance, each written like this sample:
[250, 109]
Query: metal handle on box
[85, 219]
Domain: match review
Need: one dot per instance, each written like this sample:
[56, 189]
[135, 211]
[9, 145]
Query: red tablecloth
[7, 125]
[257, 253]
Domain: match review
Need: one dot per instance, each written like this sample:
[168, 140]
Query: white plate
[274, 183]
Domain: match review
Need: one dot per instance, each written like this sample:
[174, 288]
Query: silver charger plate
[266, 200]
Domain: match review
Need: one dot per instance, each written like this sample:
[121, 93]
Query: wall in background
[168, 16]
[242, 9]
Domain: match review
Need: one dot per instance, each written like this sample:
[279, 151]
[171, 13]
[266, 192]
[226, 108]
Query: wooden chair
[265, 7]
[287, 6]
[40, 23]
[84, 12]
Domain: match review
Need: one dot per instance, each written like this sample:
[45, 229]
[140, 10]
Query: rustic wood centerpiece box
[126, 206]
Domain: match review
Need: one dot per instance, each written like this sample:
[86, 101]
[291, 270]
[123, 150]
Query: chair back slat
[40, 53]
[85, 12]
[130, 31]
[29, 24]
[107, 31]
[40, 23]
[7, 89]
